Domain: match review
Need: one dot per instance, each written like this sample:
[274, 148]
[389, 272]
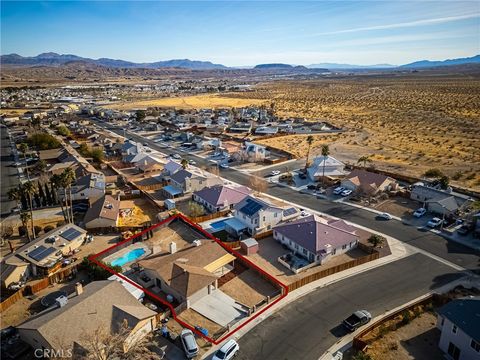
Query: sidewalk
[347, 341]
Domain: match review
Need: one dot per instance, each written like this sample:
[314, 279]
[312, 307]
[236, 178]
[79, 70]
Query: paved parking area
[220, 308]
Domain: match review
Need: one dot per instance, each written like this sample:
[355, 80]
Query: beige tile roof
[185, 270]
[103, 304]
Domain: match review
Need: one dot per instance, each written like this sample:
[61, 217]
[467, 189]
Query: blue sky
[245, 32]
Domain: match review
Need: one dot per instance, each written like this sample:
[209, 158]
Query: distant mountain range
[54, 59]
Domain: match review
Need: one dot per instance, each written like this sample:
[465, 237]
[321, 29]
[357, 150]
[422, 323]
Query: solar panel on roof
[70, 234]
[251, 207]
[289, 211]
[41, 253]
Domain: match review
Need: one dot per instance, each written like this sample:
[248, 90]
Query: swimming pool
[218, 225]
[128, 257]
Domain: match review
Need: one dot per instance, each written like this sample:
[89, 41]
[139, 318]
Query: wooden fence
[263, 235]
[4, 305]
[333, 270]
[199, 219]
[360, 343]
[149, 187]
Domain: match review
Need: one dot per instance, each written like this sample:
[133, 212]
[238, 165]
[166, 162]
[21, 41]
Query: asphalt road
[8, 174]
[306, 328]
[425, 240]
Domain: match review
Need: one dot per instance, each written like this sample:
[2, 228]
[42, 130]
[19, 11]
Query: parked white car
[176, 156]
[275, 173]
[305, 213]
[189, 344]
[419, 212]
[227, 351]
[385, 216]
[338, 190]
[224, 166]
[435, 222]
[346, 192]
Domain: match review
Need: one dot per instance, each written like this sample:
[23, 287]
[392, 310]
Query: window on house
[305, 252]
[344, 246]
[454, 329]
[275, 215]
[296, 246]
[264, 218]
[256, 221]
[453, 351]
[475, 345]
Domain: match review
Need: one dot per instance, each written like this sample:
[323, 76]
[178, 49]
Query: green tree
[69, 177]
[444, 181]
[97, 155]
[48, 195]
[63, 130]
[96, 272]
[184, 163]
[140, 114]
[376, 240]
[433, 173]
[325, 153]
[14, 194]
[57, 183]
[41, 194]
[41, 166]
[361, 356]
[43, 141]
[309, 142]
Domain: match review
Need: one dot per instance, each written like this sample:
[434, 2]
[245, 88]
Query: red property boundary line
[93, 258]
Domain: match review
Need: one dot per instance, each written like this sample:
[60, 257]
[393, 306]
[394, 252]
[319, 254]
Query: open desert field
[406, 124]
[188, 102]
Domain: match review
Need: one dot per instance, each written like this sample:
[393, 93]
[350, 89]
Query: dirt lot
[270, 250]
[416, 340]
[143, 211]
[406, 124]
[398, 206]
[248, 288]
[193, 318]
[188, 102]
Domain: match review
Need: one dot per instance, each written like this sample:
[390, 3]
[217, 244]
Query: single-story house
[103, 213]
[189, 181]
[315, 240]
[190, 274]
[368, 182]
[439, 201]
[44, 254]
[333, 168]
[458, 322]
[220, 197]
[102, 306]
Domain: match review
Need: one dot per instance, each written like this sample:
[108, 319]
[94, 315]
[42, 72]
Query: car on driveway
[192, 162]
[227, 351]
[189, 344]
[275, 173]
[357, 319]
[338, 190]
[435, 222]
[305, 213]
[385, 216]
[224, 166]
[419, 212]
[346, 192]
[176, 156]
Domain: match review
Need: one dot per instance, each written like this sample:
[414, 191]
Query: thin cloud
[402, 25]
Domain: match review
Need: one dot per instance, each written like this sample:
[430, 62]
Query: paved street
[306, 328]
[9, 177]
[421, 239]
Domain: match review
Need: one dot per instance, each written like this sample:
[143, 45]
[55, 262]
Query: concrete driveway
[220, 308]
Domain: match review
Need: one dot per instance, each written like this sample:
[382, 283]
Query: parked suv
[435, 222]
[227, 351]
[338, 190]
[419, 212]
[189, 344]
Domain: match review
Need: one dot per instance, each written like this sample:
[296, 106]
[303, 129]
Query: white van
[227, 351]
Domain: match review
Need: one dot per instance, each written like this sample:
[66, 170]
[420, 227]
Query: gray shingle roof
[219, 194]
[465, 313]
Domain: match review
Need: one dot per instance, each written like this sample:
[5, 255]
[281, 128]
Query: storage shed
[249, 246]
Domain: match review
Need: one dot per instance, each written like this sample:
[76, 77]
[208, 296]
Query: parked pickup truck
[357, 319]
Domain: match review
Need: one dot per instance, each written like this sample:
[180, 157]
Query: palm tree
[30, 189]
[69, 177]
[24, 217]
[325, 153]
[23, 147]
[184, 163]
[14, 194]
[56, 181]
[309, 142]
[364, 159]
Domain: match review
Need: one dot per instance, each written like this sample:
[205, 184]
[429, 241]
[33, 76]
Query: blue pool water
[128, 257]
[218, 225]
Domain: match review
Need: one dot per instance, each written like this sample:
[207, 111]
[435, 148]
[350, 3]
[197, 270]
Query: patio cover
[235, 224]
[217, 264]
[172, 190]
